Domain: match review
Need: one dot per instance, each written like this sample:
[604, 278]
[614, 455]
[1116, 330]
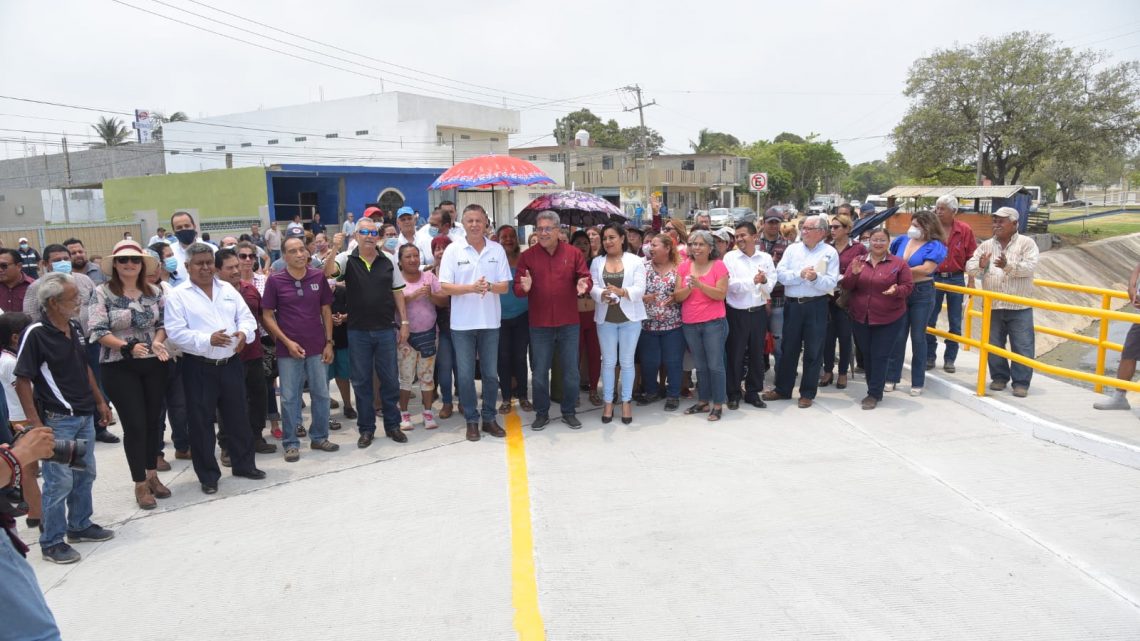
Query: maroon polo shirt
[253, 349]
[867, 304]
[553, 296]
[959, 248]
[12, 298]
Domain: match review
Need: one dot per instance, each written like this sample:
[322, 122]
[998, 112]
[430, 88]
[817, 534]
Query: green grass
[1106, 227]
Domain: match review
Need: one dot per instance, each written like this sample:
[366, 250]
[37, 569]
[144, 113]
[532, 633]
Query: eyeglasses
[5, 265]
[545, 230]
[245, 256]
[670, 229]
[123, 260]
[368, 232]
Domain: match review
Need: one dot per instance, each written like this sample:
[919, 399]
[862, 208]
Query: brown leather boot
[156, 487]
[492, 428]
[144, 497]
[472, 431]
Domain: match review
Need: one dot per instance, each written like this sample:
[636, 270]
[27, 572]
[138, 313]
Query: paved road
[920, 520]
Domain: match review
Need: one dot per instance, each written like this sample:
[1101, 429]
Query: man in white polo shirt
[474, 271]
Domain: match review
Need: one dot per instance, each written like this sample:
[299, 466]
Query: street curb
[1036, 426]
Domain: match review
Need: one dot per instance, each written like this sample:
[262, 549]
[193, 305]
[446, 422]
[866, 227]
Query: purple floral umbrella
[576, 208]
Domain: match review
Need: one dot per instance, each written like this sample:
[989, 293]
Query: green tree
[714, 142]
[789, 137]
[111, 131]
[796, 171]
[177, 116]
[873, 177]
[1038, 100]
[602, 134]
[633, 141]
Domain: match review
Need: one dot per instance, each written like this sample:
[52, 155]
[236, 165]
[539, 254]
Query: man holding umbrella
[552, 274]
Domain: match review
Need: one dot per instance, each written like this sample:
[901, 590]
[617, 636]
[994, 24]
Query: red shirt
[959, 248]
[12, 299]
[852, 251]
[553, 296]
[867, 304]
[253, 349]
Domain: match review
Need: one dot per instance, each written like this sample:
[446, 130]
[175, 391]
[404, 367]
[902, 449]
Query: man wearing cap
[771, 242]
[960, 247]
[866, 209]
[29, 258]
[158, 237]
[1006, 263]
[809, 271]
[210, 322]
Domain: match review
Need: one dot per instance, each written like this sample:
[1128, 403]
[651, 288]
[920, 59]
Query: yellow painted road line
[524, 585]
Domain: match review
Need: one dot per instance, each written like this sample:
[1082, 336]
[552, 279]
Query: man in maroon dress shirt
[552, 274]
[960, 246]
[13, 281]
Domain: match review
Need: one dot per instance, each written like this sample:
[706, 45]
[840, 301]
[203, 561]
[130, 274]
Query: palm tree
[714, 142]
[112, 132]
[178, 116]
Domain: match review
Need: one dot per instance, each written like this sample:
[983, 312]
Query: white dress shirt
[192, 316]
[461, 264]
[796, 258]
[743, 291]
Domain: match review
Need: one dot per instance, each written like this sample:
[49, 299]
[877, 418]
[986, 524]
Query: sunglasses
[368, 232]
[123, 260]
[5, 265]
[837, 226]
[245, 256]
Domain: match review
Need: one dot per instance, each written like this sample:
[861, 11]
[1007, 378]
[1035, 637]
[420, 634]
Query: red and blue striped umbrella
[491, 171]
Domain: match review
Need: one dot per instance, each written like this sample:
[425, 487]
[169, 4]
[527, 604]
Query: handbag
[843, 298]
[770, 343]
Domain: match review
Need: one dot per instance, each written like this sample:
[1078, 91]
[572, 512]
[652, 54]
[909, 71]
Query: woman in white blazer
[619, 288]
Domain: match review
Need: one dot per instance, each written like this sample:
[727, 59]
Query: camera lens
[70, 453]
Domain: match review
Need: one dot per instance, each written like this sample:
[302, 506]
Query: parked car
[743, 215]
[721, 216]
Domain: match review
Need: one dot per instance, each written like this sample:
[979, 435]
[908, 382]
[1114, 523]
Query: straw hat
[128, 248]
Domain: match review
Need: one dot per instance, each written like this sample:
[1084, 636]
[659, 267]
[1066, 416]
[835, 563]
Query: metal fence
[98, 238]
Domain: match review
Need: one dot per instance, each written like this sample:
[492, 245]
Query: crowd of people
[224, 342]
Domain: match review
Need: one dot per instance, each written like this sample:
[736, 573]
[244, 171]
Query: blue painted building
[333, 190]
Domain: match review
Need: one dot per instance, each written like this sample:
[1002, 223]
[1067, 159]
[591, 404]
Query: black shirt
[371, 302]
[57, 367]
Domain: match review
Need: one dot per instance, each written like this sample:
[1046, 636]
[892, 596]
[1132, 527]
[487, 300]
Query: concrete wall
[88, 167]
[21, 207]
[232, 193]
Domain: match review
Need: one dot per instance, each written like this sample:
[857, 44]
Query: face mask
[433, 231]
[61, 266]
[186, 236]
[645, 249]
[171, 264]
[23, 245]
[914, 232]
[390, 244]
[322, 247]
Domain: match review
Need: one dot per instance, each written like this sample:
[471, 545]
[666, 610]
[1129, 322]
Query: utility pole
[981, 142]
[67, 178]
[636, 89]
[67, 161]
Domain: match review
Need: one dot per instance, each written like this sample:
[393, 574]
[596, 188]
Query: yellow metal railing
[1104, 314]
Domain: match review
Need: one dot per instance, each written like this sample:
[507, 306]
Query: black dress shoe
[106, 437]
[572, 421]
[263, 447]
[397, 435]
[209, 488]
[756, 402]
[540, 422]
[251, 473]
[473, 432]
[365, 440]
[493, 428]
[734, 404]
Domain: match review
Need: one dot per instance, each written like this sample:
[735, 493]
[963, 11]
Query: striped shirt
[1016, 278]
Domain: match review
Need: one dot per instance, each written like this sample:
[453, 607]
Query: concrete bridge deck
[940, 517]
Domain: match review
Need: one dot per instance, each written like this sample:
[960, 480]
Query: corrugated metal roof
[965, 191]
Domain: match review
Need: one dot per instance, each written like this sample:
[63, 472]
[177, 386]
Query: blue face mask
[390, 244]
[433, 231]
[171, 264]
[61, 266]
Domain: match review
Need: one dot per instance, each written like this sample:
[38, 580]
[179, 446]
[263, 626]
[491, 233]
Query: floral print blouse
[664, 313]
[125, 318]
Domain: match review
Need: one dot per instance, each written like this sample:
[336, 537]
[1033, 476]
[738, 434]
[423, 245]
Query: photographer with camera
[53, 356]
[26, 612]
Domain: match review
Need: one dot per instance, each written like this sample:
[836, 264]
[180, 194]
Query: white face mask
[914, 232]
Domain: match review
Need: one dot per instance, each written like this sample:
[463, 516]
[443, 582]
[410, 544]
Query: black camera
[70, 453]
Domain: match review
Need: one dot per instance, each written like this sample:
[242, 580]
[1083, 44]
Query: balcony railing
[633, 177]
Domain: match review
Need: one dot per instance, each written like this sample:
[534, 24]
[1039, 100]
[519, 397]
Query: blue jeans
[26, 614]
[372, 351]
[484, 344]
[706, 342]
[542, 342]
[954, 317]
[918, 306]
[655, 347]
[293, 372]
[876, 343]
[1017, 326]
[67, 499]
[445, 373]
[805, 328]
[619, 345]
[274, 255]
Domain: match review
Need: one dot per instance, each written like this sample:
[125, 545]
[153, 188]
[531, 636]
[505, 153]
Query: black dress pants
[747, 330]
[216, 389]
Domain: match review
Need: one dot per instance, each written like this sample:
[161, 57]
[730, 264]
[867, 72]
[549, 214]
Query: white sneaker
[888, 387]
[406, 421]
[1115, 401]
[916, 391]
[429, 421]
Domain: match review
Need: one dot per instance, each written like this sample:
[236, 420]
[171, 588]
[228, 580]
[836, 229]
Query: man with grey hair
[552, 275]
[960, 246]
[210, 322]
[1006, 263]
[809, 272]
